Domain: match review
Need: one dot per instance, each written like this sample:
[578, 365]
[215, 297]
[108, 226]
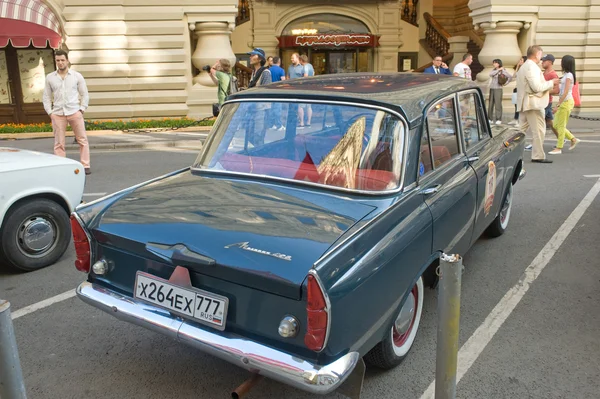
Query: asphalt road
[549, 346]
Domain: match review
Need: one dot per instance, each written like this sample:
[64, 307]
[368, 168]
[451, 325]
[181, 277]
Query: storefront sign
[332, 40]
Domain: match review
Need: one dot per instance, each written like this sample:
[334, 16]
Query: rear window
[341, 146]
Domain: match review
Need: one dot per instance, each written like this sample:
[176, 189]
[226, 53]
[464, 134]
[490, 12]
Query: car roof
[406, 92]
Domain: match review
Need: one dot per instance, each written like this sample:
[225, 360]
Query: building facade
[144, 59]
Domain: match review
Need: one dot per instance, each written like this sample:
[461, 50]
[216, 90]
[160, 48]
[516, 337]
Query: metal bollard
[11, 376]
[450, 273]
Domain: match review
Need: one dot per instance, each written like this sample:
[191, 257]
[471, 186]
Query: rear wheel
[395, 346]
[34, 235]
[500, 224]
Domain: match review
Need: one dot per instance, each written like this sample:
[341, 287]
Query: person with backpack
[499, 77]
[220, 74]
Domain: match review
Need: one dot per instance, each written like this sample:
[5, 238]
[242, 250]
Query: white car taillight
[317, 312]
[82, 246]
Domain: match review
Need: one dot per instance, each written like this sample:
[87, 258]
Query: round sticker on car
[490, 188]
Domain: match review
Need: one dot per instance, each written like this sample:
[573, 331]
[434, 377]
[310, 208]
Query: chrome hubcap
[406, 316]
[36, 235]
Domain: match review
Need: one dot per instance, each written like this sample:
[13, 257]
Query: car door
[447, 181]
[486, 157]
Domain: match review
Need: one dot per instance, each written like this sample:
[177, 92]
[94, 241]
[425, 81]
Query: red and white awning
[25, 22]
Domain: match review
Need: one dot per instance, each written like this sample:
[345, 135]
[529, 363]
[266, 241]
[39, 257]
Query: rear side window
[470, 120]
[442, 130]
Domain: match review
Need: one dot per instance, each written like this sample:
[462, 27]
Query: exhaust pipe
[246, 386]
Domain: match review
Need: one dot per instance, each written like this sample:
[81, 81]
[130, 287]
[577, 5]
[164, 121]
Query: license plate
[199, 305]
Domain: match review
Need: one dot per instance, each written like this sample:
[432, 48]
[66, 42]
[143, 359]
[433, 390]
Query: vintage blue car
[301, 239]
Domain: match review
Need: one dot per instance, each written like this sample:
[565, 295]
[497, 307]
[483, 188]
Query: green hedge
[135, 124]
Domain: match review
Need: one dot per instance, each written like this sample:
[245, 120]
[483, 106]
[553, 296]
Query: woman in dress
[562, 110]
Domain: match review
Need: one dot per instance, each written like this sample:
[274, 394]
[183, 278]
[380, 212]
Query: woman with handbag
[562, 110]
[499, 77]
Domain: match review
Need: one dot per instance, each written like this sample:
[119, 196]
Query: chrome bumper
[233, 348]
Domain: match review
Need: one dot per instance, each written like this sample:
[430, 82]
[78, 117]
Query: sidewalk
[108, 140]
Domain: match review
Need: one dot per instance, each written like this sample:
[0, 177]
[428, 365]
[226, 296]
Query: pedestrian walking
[565, 105]
[463, 69]
[65, 99]
[277, 75]
[514, 94]
[532, 99]
[499, 77]
[297, 70]
[550, 74]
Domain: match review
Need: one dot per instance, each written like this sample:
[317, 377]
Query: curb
[187, 144]
[49, 135]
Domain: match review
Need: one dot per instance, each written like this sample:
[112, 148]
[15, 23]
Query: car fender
[21, 185]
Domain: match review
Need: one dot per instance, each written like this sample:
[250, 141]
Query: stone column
[500, 42]
[458, 47]
[213, 44]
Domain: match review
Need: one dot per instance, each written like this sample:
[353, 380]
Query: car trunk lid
[265, 236]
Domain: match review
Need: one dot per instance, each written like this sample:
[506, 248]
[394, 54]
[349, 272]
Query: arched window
[324, 23]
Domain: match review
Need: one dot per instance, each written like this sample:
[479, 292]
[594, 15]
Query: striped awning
[30, 12]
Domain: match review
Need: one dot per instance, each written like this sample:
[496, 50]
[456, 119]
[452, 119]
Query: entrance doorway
[326, 61]
[333, 43]
[22, 79]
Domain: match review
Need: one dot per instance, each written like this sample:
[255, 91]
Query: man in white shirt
[65, 100]
[463, 69]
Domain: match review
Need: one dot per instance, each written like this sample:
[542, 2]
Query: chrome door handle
[473, 159]
[431, 190]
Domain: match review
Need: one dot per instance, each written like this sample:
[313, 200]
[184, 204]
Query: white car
[38, 192]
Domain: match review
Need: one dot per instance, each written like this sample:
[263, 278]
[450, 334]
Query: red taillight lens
[82, 246]
[316, 316]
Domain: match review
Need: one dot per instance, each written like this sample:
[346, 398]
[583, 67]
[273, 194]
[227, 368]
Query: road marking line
[94, 194]
[42, 304]
[596, 176]
[475, 345]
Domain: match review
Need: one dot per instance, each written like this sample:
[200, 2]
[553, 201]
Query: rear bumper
[255, 357]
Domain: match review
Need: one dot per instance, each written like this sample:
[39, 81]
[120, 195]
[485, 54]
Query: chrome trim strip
[522, 174]
[82, 206]
[240, 351]
[87, 234]
[314, 273]
[402, 143]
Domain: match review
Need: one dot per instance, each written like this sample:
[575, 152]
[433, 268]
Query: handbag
[576, 95]
[502, 79]
[513, 98]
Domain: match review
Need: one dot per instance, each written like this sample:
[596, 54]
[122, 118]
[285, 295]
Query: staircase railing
[409, 11]
[243, 12]
[436, 36]
[243, 75]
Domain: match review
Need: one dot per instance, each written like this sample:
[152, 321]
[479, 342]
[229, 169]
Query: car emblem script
[246, 247]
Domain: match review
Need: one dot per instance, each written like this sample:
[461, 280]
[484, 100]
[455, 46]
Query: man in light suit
[530, 80]
[438, 67]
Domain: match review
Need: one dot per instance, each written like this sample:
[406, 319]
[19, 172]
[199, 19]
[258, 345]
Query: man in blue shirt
[296, 70]
[277, 72]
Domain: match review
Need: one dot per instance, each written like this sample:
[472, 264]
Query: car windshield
[349, 147]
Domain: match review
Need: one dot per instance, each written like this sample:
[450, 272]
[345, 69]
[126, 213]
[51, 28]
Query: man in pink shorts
[65, 100]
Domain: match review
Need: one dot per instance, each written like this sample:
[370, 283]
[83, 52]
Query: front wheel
[35, 234]
[499, 225]
[395, 346]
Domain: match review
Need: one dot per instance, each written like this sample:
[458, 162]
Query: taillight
[317, 314]
[82, 246]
